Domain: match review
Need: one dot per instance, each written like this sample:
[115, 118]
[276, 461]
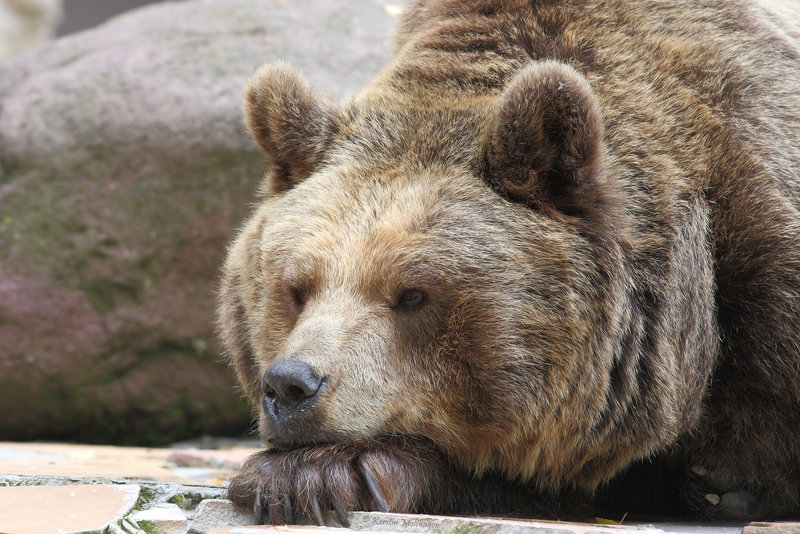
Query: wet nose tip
[290, 381]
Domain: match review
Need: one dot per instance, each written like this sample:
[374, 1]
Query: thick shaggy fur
[552, 250]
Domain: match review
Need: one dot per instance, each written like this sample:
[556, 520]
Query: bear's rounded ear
[291, 123]
[544, 146]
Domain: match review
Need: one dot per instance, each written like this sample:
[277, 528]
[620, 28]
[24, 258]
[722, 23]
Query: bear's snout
[290, 389]
[289, 383]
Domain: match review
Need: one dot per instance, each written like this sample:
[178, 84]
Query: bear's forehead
[407, 129]
[389, 221]
[373, 191]
[375, 204]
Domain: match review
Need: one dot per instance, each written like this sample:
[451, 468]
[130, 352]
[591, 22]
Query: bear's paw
[392, 474]
[720, 494]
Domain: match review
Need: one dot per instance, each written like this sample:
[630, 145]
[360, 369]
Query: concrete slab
[64, 509]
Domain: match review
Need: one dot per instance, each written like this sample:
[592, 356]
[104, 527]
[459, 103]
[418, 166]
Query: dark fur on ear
[292, 123]
[545, 143]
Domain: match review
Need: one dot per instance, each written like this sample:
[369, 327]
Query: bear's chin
[301, 436]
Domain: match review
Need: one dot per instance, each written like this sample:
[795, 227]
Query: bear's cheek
[372, 392]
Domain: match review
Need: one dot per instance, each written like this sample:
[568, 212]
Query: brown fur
[599, 204]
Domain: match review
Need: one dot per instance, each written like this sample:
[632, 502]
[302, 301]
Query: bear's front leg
[394, 474]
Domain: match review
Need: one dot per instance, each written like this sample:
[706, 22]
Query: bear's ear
[544, 146]
[291, 123]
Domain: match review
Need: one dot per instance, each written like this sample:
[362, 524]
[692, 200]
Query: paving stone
[207, 466]
[100, 461]
[278, 529]
[700, 528]
[380, 522]
[772, 528]
[212, 513]
[64, 509]
[369, 522]
[86, 461]
[221, 459]
[402, 523]
[163, 518]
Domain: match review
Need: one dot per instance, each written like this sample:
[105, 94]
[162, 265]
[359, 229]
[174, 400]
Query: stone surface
[772, 528]
[164, 518]
[124, 170]
[135, 463]
[212, 513]
[206, 511]
[277, 529]
[223, 459]
[700, 528]
[207, 466]
[380, 522]
[64, 509]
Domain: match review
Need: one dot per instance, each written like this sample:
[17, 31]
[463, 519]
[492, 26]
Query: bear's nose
[290, 382]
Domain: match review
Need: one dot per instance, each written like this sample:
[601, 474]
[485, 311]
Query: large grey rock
[124, 169]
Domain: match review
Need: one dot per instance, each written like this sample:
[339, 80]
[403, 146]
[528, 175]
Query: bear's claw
[375, 491]
[317, 511]
[288, 509]
[257, 510]
[340, 512]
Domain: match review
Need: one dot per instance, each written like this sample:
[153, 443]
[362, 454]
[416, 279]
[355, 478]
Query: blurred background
[124, 172]
[27, 23]
[80, 15]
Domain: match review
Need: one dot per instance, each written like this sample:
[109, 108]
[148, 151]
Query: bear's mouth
[295, 439]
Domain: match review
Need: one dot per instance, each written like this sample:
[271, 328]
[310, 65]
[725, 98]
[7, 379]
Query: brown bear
[550, 255]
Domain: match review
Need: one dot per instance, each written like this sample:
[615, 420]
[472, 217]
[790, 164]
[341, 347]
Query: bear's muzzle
[290, 391]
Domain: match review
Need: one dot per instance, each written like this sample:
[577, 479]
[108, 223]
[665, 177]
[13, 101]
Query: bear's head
[433, 265]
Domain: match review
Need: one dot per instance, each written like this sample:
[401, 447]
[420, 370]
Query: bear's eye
[410, 299]
[298, 296]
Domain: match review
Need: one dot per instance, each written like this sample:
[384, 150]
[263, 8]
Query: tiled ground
[61, 489]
